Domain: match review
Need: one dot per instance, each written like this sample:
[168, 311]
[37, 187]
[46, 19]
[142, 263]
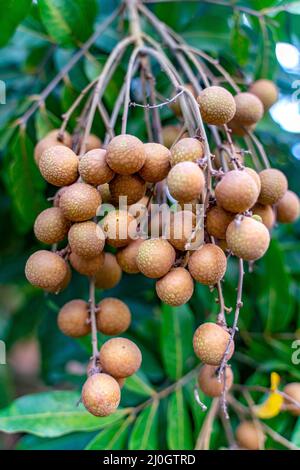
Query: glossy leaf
[144, 435]
[179, 428]
[12, 13]
[112, 438]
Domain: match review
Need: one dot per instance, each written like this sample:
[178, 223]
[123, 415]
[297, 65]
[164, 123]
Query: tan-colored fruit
[59, 165]
[50, 140]
[209, 383]
[293, 390]
[185, 181]
[170, 134]
[255, 176]
[208, 264]
[125, 154]
[223, 245]
[46, 270]
[176, 287]
[101, 394]
[132, 187]
[187, 150]
[217, 221]
[126, 257]
[210, 343]
[120, 357]
[66, 280]
[87, 266]
[80, 202]
[273, 186]
[247, 238]
[119, 226]
[226, 152]
[110, 273]
[266, 91]
[217, 105]
[51, 226]
[105, 193]
[288, 208]
[73, 319]
[86, 239]
[113, 316]
[155, 257]
[182, 224]
[266, 213]
[249, 109]
[249, 436]
[237, 191]
[93, 168]
[157, 163]
[92, 142]
[175, 105]
[240, 130]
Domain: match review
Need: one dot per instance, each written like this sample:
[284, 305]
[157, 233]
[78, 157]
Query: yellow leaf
[275, 381]
[270, 408]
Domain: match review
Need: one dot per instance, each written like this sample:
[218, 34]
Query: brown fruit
[217, 221]
[93, 168]
[131, 187]
[182, 224]
[266, 213]
[293, 390]
[157, 163]
[266, 91]
[155, 257]
[187, 150]
[249, 109]
[125, 154]
[273, 186]
[185, 181]
[170, 135]
[176, 287]
[87, 266]
[120, 357]
[126, 257]
[288, 208]
[208, 264]
[237, 191]
[225, 151]
[255, 177]
[119, 226]
[239, 129]
[247, 238]
[105, 193]
[110, 273]
[73, 319]
[46, 270]
[86, 239]
[210, 343]
[217, 105]
[92, 142]
[101, 394]
[51, 226]
[49, 140]
[80, 202]
[113, 316]
[66, 280]
[209, 383]
[249, 436]
[59, 165]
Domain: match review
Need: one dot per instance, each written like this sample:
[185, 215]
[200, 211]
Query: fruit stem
[92, 305]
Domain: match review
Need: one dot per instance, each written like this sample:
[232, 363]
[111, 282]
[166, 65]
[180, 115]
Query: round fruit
[293, 390]
[131, 187]
[237, 191]
[92, 142]
[126, 257]
[157, 163]
[73, 319]
[155, 257]
[217, 221]
[176, 287]
[110, 273]
[226, 152]
[266, 213]
[105, 193]
[209, 383]
[249, 109]
[125, 154]
[59, 165]
[170, 135]
[80, 202]
[86, 239]
[187, 150]
[50, 140]
[119, 226]
[217, 105]
[101, 394]
[210, 343]
[247, 238]
[113, 316]
[46, 270]
[51, 226]
[93, 168]
[266, 91]
[120, 357]
[208, 264]
[255, 177]
[182, 224]
[273, 186]
[66, 279]
[87, 266]
[185, 181]
[288, 208]
[240, 130]
[249, 436]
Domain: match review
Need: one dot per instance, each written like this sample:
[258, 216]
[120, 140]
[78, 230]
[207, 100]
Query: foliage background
[37, 39]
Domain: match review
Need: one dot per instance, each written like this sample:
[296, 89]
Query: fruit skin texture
[101, 394]
[48, 141]
[208, 380]
[80, 202]
[208, 264]
[109, 274]
[105, 193]
[182, 224]
[46, 270]
[187, 150]
[93, 168]
[237, 191]
[59, 165]
[240, 130]
[113, 316]
[51, 226]
[266, 213]
[170, 134]
[255, 176]
[217, 105]
[92, 142]
[249, 109]
[247, 238]
[185, 181]
[131, 186]
[120, 357]
[155, 257]
[288, 208]
[157, 162]
[86, 239]
[210, 342]
[266, 91]
[117, 226]
[125, 154]
[176, 287]
[73, 319]
[217, 221]
[126, 257]
[249, 436]
[293, 390]
[273, 186]
[87, 266]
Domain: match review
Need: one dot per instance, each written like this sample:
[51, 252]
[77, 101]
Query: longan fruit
[266, 91]
[109, 274]
[273, 186]
[51, 226]
[113, 316]
[249, 109]
[288, 208]
[87, 266]
[217, 105]
[66, 280]
[80, 202]
[254, 175]
[239, 129]
[247, 238]
[157, 162]
[237, 191]
[92, 142]
[126, 256]
[217, 221]
[176, 287]
[155, 257]
[59, 165]
[46, 270]
[170, 134]
[226, 152]
[249, 436]
[293, 390]
[207, 265]
[210, 343]
[185, 181]
[118, 226]
[101, 394]
[86, 239]
[105, 193]
[120, 357]
[50, 140]
[125, 154]
[266, 213]
[73, 319]
[132, 187]
[93, 168]
[187, 150]
[209, 383]
[182, 224]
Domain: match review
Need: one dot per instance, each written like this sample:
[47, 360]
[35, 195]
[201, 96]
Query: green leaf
[12, 13]
[179, 428]
[112, 438]
[45, 122]
[239, 42]
[296, 434]
[139, 384]
[144, 435]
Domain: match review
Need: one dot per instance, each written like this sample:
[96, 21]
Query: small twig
[203, 439]
[92, 309]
